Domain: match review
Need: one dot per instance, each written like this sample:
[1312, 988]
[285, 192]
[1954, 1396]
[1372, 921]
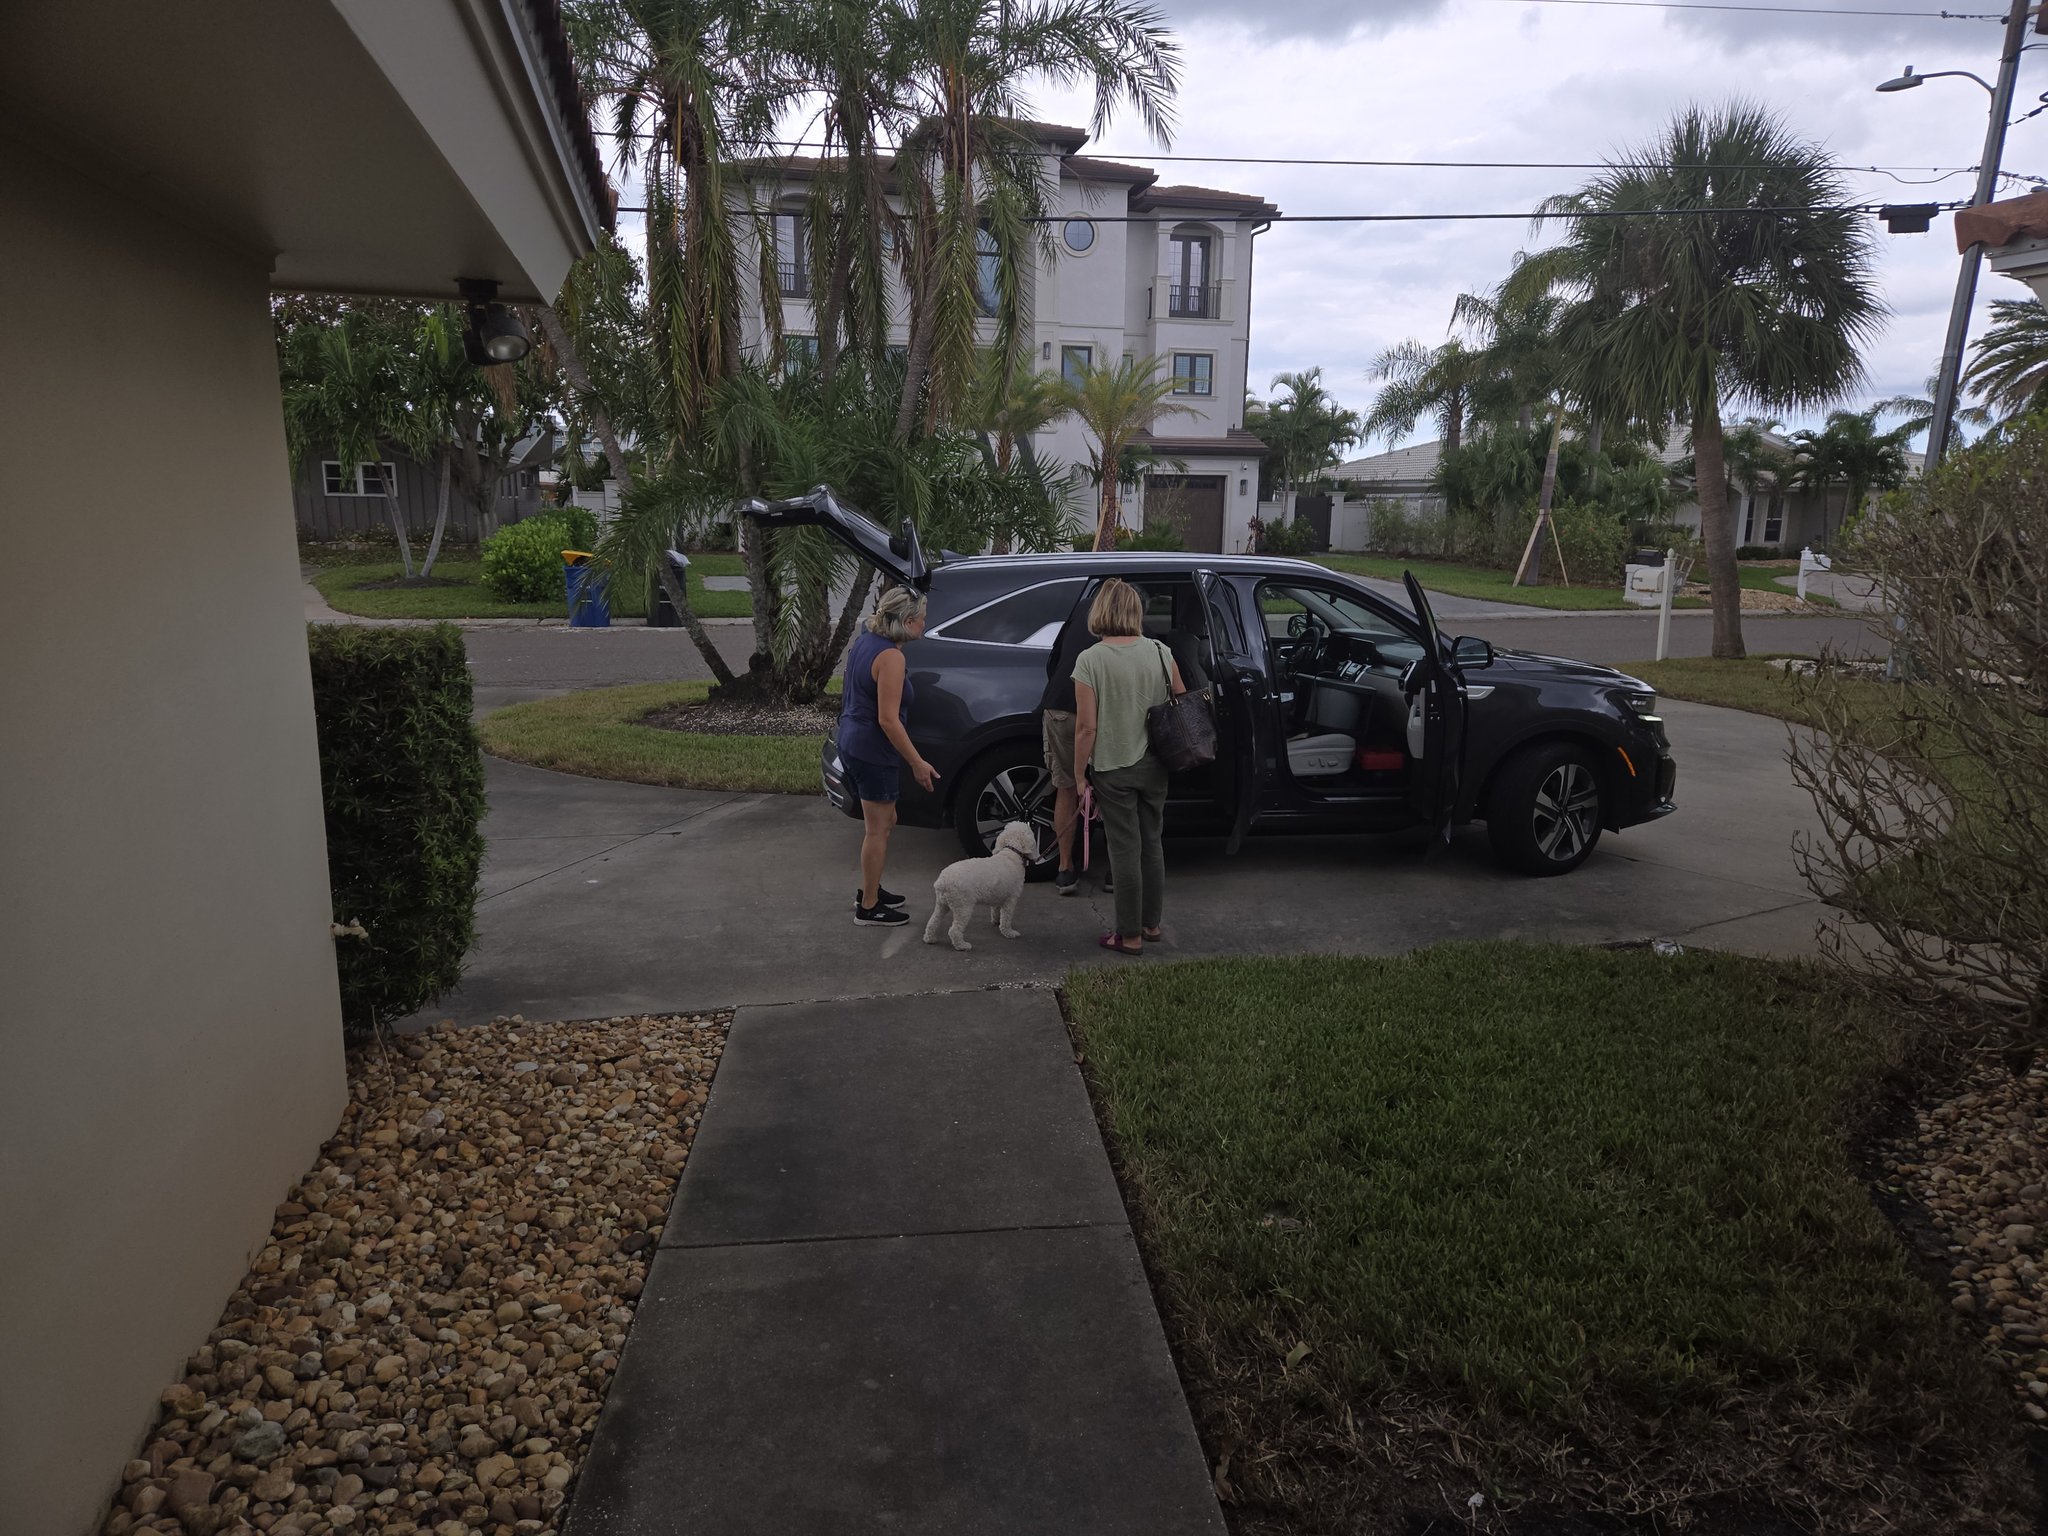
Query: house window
[792, 261]
[1191, 291]
[987, 263]
[1075, 362]
[1193, 373]
[1774, 520]
[1079, 235]
[364, 480]
[798, 353]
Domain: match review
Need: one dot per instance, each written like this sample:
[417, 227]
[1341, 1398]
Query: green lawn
[1570, 1228]
[343, 587]
[597, 732]
[1481, 582]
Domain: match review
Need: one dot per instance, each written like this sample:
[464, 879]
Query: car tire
[1544, 814]
[1008, 784]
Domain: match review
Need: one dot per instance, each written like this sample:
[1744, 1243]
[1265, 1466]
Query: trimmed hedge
[402, 780]
[523, 563]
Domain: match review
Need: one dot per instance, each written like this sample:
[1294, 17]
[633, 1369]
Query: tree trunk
[679, 599]
[397, 520]
[833, 310]
[440, 519]
[1710, 480]
[1594, 434]
[1454, 427]
[1106, 523]
[842, 634]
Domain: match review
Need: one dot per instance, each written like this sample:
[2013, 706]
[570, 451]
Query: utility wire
[1416, 218]
[1778, 10]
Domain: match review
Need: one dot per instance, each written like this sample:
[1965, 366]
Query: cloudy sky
[1514, 80]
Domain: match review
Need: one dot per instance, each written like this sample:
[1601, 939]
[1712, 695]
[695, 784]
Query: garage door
[1191, 504]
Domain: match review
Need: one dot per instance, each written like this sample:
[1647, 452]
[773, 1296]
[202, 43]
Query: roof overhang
[362, 146]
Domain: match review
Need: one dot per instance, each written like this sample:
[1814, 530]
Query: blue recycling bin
[589, 604]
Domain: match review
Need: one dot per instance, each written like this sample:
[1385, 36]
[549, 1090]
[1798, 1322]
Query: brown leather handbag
[1182, 731]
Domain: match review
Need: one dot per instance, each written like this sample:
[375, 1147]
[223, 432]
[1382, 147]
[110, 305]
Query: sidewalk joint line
[886, 1237]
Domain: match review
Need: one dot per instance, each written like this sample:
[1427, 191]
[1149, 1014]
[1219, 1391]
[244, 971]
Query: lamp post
[1949, 376]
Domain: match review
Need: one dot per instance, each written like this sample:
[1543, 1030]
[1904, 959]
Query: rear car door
[1436, 721]
[1241, 688]
[896, 555]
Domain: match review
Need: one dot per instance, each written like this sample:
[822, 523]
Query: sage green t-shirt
[1128, 680]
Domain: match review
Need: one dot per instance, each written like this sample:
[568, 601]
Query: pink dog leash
[1087, 815]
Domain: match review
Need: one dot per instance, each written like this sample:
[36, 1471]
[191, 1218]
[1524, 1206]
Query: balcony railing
[794, 279]
[1197, 301]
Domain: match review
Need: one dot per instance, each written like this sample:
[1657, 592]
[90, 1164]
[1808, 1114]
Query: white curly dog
[996, 881]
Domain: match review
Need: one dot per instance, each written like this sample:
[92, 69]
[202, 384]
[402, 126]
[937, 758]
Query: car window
[1280, 601]
[1030, 618]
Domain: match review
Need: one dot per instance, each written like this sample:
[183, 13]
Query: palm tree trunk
[579, 380]
[1710, 477]
[679, 599]
[440, 519]
[1106, 522]
[390, 482]
[1594, 434]
[1454, 427]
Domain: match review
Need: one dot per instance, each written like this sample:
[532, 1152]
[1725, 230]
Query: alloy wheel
[1567, 812]
[1024, 793]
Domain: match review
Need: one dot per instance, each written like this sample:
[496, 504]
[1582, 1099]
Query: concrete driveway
[603, 898]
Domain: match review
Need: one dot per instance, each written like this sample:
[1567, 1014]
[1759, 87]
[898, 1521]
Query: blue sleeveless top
[860, 735]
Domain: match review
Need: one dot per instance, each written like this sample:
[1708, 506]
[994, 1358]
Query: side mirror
[1471, 651]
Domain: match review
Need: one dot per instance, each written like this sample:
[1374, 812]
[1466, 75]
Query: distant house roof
[1088, 168]
[1149, 198]
[1235, 443]
[1415, 464]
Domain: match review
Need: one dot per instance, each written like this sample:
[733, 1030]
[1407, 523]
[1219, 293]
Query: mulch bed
[426, 1340]
[718, 718]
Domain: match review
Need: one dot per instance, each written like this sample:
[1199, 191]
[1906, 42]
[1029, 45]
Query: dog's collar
[1020, 857]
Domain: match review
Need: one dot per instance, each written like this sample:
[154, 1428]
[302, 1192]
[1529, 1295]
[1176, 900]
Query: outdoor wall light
[494, 334]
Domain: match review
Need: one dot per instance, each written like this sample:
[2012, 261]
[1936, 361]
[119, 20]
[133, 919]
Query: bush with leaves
[1933, 794]
[1288, 539]
[523, 563]
[402, 781]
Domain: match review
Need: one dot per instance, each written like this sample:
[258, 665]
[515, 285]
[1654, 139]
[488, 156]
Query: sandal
[1153, 935]
[1115, 941]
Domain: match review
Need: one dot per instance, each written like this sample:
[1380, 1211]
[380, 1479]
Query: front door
[1192, 505]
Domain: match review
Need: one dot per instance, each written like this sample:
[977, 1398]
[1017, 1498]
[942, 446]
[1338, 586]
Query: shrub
[402, 780]
[1288, 539]
[523, 563]
[1759, 552]
[1155, 536]
[1595, 542]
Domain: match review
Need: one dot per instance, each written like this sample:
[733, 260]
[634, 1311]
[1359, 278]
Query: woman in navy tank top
[874, 748]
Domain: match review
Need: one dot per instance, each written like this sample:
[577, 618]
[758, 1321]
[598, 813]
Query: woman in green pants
[1116, 681]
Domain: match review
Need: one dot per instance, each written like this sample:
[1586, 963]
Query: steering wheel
[1308, 634]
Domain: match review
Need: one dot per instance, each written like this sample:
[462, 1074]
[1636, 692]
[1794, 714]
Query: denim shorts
[881, 783]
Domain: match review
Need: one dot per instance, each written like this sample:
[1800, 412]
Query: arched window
[1191, 292]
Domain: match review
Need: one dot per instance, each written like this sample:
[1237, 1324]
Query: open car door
[1240, 690]
[897, 555]
[1436, 721]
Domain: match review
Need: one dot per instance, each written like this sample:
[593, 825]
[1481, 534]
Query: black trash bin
[661, 613]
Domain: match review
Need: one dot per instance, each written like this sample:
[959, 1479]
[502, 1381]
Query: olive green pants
[1133, 802]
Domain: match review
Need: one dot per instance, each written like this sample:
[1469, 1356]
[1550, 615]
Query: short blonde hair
[898, 609]
[1118, 609]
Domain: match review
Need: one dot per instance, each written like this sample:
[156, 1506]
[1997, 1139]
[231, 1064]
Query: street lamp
[1948, 377]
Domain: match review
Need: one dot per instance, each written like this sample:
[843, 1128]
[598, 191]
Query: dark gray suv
[1336, 709]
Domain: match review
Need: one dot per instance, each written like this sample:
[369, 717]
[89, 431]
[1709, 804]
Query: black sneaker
[879, 916]
[883, 898]
[1067, 882]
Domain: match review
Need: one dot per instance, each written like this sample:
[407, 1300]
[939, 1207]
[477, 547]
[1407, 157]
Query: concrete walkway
[897, 1291]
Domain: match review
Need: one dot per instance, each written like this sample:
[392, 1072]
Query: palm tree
[2010, 373]
[1515, 335]
[1423, 381]
[1850, 451]
[1009, 408]
[1117, 404]
[1742, 278]
[1916, 412]
[344, 391]
[1304, 427]
[973, 176]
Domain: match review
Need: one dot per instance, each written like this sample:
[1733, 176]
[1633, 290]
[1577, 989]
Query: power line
[1777, 10]
[1417, 218]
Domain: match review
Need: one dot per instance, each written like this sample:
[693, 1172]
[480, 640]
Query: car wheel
[1544, 814]
[1009, 785]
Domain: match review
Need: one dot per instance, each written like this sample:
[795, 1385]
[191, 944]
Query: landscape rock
[424, 1342]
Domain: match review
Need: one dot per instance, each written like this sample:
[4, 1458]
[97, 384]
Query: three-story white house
[1140, 270]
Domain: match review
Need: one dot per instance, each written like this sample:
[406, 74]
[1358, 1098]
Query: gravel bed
[1753, 601]
[1978, 1166]
[720, 719]
[425, 1342]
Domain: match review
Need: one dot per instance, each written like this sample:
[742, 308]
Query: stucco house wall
[172, 1030]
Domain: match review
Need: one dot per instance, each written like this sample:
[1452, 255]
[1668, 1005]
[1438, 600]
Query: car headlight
[1641, 703]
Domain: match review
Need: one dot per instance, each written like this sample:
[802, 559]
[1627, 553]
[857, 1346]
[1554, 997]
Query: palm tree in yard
[2010, 372]
[1303, 427]
[1422, 381]
[1851, 452]
[1916, 412]
[1721, 268]
[345, 391]
[1118, 404]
